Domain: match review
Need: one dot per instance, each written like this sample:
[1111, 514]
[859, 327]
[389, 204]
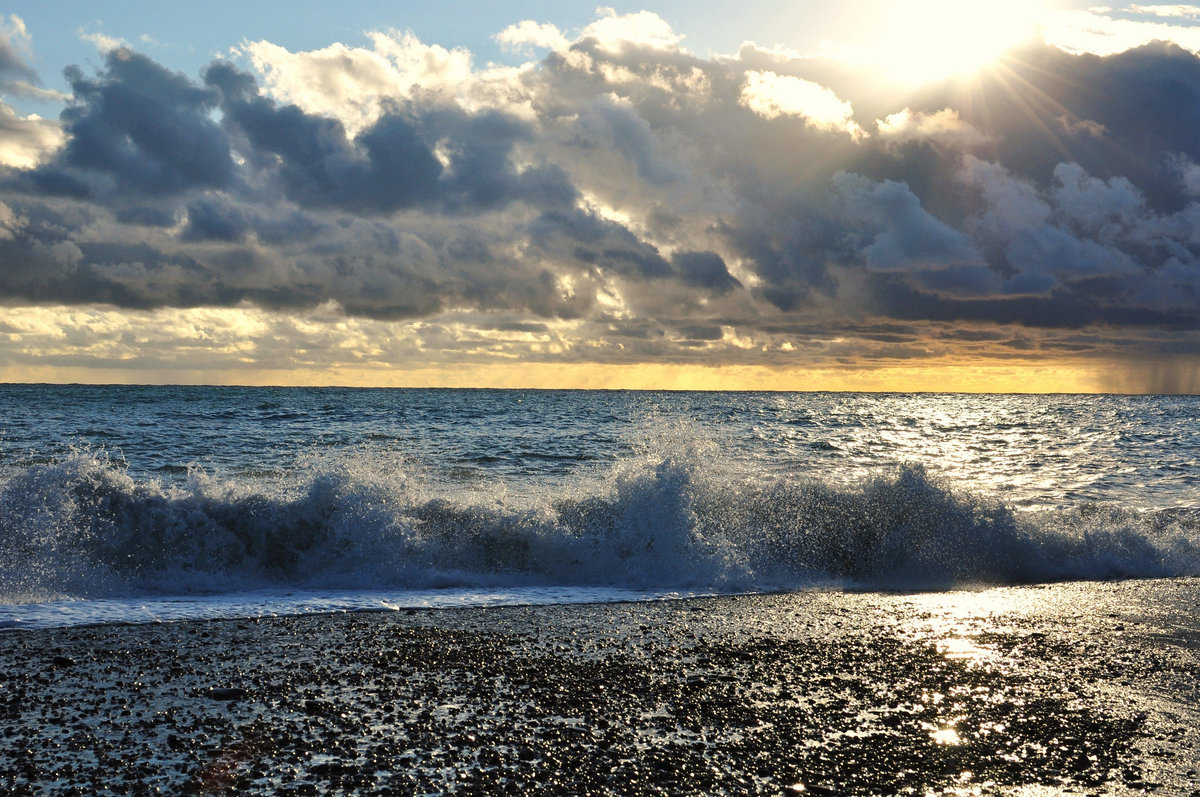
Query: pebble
[745, 696]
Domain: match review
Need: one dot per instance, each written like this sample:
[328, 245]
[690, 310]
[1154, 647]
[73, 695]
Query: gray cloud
[17, 76]
[632, 191]
[391, 165]
[14, 70]
[705, 270]
[138, 130]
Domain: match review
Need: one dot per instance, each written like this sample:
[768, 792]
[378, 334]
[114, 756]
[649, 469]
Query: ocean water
[135, 504]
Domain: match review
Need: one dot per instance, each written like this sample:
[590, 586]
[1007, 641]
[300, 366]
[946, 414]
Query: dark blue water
[305, 496]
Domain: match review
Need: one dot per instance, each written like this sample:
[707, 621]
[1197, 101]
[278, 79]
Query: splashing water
[89, 529]
[660, 503]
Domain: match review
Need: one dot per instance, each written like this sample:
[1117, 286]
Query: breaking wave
[681, 519]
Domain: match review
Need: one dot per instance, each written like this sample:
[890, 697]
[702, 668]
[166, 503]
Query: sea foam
[679, 517]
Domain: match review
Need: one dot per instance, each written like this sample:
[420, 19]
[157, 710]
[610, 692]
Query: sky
[926, 195]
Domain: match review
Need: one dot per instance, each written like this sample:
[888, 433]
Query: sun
[925, 40]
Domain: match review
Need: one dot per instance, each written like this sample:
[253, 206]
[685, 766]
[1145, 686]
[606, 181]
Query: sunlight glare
[925, 40]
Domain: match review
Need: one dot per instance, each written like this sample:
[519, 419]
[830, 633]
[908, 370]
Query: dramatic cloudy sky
[862, 195]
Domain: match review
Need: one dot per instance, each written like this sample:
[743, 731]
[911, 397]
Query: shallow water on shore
[283, 603]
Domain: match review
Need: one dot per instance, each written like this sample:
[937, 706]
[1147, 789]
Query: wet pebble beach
[1077, 689]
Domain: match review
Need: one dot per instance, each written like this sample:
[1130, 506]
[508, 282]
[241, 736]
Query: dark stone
[223, 693]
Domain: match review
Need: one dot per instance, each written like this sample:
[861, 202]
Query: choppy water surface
[132, 496]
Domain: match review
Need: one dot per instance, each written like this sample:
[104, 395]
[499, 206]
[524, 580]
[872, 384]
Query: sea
[132, 504]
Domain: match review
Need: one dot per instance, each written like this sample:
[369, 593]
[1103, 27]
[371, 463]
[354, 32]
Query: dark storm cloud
[893, 298]
[894, 232]
[1053, 218]
[137, 130]
[705, 270]
[43, 265]
[146, 215]
[701, 332]
[143, 145]
[314, 161]
[589, 239]
[1114, 116]
[210, 220]
[639, 183]
[391, 165]
[481, 175]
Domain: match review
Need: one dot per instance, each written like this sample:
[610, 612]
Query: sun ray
[927, 40]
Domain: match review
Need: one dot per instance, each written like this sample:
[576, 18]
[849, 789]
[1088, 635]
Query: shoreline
[1068, 687]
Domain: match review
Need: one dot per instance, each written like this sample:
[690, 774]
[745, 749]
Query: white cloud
[26, 141]
[943, 127]
[1177, 11]
[103, 42]
[355, 84]
[614, 32]
[13, 29]
[1102, 32]
[351, 84]
[527, 34]
[770, 95]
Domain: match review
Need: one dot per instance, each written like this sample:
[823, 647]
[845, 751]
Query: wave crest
[84, 527]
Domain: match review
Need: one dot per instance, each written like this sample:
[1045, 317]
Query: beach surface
[1083, 688]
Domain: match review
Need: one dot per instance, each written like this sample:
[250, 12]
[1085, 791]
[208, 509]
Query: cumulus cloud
[355, 84]
[622, 200]
[26, 141]
[770, 95]
[1189, 174]
[892, 233]
[1010, 203]
[137, 129]
[613, 123]
[941, 127]
[526, 35]
[617, 32]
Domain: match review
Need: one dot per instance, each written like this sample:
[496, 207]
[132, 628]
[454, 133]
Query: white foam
[675, 517]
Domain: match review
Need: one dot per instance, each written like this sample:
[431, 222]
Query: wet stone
[226, 693]
[749, 696]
